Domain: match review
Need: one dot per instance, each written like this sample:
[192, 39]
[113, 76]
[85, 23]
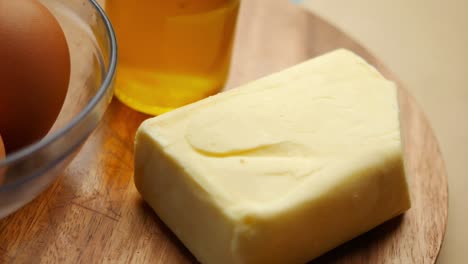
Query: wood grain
[93, 213]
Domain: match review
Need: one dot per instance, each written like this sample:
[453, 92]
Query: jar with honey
[171, 52]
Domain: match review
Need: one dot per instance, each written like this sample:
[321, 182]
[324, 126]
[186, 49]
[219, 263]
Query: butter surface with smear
[280, 170]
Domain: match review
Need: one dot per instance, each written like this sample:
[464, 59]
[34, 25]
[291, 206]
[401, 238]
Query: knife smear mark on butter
[279, 170]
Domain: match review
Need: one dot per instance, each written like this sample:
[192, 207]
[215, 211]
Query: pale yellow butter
[280, 170]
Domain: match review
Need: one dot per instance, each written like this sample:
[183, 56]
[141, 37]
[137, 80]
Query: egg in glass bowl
[32, 165]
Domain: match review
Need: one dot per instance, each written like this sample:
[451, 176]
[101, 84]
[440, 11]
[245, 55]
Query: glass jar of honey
[171, 52]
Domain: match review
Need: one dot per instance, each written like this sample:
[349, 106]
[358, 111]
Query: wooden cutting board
[93, 213]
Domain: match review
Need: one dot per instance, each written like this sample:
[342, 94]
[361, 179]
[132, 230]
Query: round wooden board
[93, 213]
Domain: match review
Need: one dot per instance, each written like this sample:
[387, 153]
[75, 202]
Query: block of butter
[280, 170]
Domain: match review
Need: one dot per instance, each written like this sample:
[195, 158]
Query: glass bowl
[93, 51]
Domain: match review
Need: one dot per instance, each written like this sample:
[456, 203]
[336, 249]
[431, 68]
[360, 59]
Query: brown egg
[2, 156]
[2, 149]
[34, 71]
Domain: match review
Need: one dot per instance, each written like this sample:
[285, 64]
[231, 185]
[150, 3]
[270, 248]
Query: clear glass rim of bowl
[105, 85]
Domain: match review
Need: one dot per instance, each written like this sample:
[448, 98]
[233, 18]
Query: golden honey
[171, 52]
